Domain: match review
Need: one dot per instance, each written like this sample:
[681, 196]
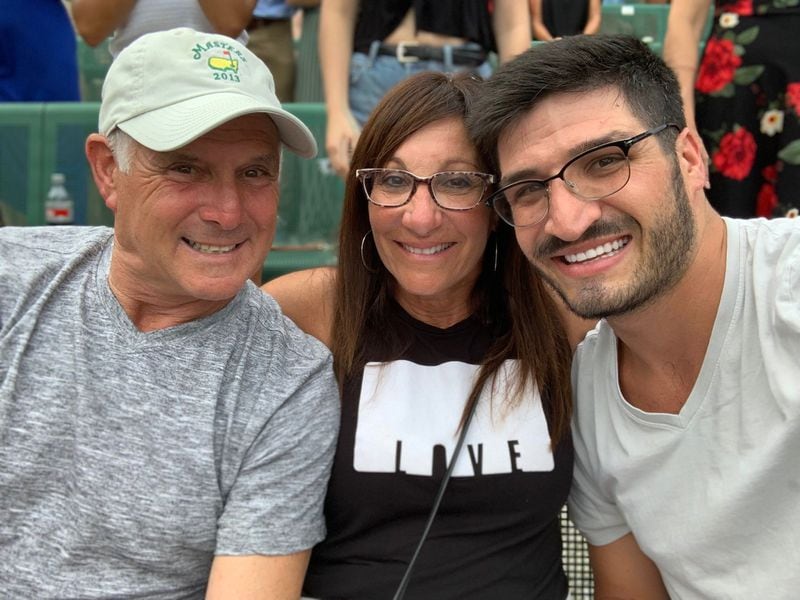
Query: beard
[668, 248]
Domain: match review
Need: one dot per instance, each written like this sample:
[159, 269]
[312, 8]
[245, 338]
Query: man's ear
[104, 168]
[692, 158]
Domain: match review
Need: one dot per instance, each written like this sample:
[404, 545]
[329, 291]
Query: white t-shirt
[712, 494]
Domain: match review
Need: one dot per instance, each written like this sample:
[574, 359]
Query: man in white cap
[164, 431]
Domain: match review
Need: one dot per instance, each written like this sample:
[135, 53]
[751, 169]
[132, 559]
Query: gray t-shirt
[129, 459]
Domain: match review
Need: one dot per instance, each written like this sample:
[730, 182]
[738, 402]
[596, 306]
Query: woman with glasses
[445, 345]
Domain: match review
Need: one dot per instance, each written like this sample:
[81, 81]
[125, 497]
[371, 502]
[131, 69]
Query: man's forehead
[565, 122]
[558, 109]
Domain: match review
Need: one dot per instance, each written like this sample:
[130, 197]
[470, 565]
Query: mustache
[554, 245]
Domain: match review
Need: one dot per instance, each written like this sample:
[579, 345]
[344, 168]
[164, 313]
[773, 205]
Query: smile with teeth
[607, 249]
[427, 251]
[209, 248]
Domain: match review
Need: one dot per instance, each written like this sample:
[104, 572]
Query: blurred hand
[340, 139]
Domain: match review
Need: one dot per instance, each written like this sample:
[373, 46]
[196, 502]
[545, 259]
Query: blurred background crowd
[736, 60]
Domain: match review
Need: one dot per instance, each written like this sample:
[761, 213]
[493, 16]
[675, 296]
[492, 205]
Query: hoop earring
[363, 260]
[495, 254]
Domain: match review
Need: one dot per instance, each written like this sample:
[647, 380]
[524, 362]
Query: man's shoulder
[779, 235]
[32, 256]
[63, 239]
[280, 367]
[770, 249]
[258, 360]
[276, 335]
[31, 247]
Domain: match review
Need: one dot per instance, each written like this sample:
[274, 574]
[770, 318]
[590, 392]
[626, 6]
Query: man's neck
[661, 347]
[150, 311]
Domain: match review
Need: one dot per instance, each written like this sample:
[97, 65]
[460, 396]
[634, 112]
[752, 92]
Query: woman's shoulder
[307, 298]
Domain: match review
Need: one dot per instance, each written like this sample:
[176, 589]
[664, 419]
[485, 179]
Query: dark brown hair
[512, 300]
[578, 64]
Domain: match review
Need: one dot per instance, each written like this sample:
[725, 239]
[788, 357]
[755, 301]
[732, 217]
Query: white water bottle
[59, 209]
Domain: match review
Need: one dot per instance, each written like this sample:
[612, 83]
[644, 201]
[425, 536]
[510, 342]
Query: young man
[687, 416]
[164, 431]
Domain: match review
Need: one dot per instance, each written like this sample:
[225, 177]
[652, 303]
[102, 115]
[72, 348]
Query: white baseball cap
[170, 87]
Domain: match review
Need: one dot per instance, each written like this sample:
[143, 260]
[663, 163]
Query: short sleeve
[775, 246]
[593, 512]
[275, 506]
[595, 516]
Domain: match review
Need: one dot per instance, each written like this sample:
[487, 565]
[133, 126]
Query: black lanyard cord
[401, 589]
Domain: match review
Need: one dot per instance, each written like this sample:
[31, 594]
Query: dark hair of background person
[512, 299]
[578, 64]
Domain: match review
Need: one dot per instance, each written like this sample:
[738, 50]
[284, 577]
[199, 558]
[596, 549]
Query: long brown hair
[511, 299]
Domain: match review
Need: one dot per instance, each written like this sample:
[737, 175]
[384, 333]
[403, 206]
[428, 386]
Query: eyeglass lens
[591, 176]
[456, 189]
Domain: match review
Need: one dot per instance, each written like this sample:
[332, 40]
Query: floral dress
[747, 98]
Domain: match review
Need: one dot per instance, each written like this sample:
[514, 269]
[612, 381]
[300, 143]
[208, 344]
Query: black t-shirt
[468, 19]
[565, 17]
[496, 534]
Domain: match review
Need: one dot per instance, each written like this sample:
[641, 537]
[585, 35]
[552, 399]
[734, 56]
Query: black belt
[406, 52]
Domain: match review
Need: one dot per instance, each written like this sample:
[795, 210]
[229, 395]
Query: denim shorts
[372, 75]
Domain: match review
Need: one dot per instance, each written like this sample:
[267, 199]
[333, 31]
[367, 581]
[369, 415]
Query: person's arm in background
[95, 20]
[623, 572]
[687, 19]
[337, 22]
[257, 577]
[511, 23]
[594, 19]
[307, 298]
[540, 31]
[229, 17]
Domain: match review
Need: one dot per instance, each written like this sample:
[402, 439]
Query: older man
[687, 416]
[164, 431]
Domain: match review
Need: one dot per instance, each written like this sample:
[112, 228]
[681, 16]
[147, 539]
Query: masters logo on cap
[170, 87]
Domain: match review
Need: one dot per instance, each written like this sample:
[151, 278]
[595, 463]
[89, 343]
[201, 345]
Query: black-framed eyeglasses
[591, 175]
[451, 190]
